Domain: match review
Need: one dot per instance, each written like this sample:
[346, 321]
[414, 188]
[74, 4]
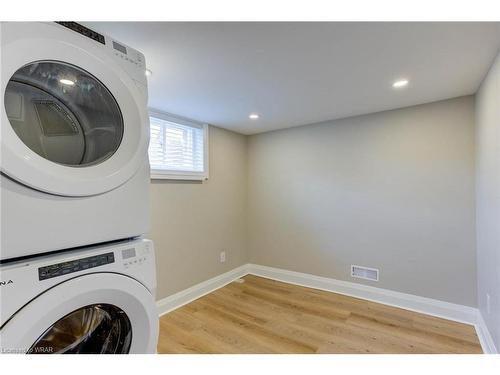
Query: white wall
[488, 198]
[392, 190]
[193, 222]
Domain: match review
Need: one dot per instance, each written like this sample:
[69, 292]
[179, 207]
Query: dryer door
[74, 123]
[95, 313]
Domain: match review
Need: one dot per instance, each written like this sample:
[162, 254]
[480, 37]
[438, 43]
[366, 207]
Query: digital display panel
[128, 253]
[119, 47]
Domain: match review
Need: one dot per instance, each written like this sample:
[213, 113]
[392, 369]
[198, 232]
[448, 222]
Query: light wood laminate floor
[267, 316]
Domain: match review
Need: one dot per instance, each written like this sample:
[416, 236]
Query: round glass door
[94, 329]
[63, 113]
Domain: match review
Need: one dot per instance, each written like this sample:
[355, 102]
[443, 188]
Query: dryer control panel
[85, 31]
[129, 58]
[129, 55]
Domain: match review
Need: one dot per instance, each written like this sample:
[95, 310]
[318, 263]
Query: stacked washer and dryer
[75, 275]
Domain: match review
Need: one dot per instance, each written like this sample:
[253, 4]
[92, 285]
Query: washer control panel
[59, 269]
[135, 256]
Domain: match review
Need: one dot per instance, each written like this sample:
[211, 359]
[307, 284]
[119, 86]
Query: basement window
[178, 148]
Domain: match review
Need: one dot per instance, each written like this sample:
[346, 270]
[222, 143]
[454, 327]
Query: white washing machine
[96, 300]
[74, 137]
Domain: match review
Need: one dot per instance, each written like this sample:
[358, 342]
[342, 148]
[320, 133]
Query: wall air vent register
[366, 273]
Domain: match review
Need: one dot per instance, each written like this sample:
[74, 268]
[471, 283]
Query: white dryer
[93, 300]
[74, 137]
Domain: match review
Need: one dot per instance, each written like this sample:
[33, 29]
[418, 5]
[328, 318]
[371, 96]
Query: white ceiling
[301, 73]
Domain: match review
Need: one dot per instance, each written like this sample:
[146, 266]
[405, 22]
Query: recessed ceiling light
[253, 116]
[68, 82]
[148, 72]
[400, 83]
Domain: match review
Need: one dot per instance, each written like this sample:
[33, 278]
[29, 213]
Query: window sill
[177, 176]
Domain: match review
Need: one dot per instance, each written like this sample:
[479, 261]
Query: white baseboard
[424, 305]
[185, 296]
[441, 309]
[484, 336]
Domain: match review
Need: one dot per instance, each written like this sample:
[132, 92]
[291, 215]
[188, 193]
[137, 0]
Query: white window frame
[157, 174]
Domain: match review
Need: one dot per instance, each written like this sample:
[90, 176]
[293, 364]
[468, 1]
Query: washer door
[74, 123]
[95, 313]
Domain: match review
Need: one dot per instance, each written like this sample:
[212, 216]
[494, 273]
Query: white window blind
[177, 148]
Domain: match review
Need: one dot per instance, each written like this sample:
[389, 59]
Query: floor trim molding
[185, 296]
[424, 305]
[441, 309]
[484, 335]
